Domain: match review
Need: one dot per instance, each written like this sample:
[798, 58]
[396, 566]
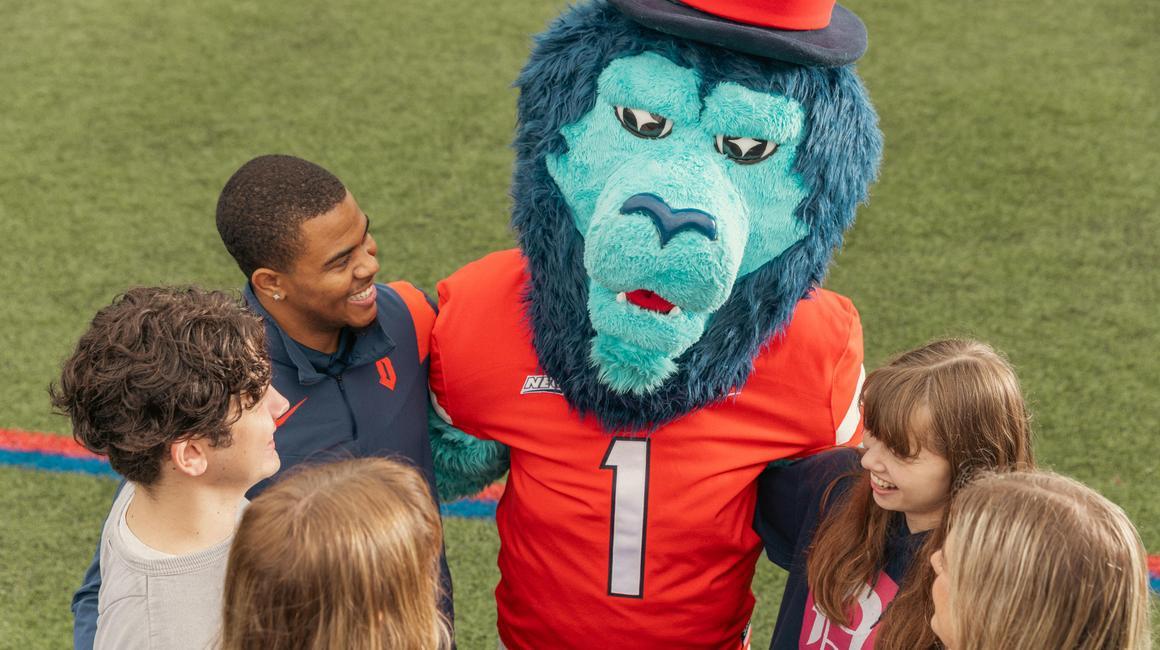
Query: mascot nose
[668, 221]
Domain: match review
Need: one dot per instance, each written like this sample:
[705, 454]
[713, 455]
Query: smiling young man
[173, 385]
[312, 273]
[348, 353]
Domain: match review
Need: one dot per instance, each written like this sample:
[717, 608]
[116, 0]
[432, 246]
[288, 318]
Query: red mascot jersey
[620, 542]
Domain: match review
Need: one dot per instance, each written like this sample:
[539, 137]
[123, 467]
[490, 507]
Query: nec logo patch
[540, 384]
[386, 372]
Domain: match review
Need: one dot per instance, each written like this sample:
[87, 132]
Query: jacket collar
[370, 343]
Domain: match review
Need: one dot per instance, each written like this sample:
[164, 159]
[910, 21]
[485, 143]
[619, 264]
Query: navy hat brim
[843, 41]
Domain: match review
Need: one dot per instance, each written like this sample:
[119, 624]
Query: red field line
[47, 443]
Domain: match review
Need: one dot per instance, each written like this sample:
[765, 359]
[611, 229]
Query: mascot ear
[464, 465]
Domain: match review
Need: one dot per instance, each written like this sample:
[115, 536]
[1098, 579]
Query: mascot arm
[464, 465]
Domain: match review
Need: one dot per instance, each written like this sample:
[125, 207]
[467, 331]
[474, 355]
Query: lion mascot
[684, 173]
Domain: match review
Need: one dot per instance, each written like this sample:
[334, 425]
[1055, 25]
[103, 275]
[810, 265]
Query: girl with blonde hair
[1038, 561]
[855, 528]
[339, 555]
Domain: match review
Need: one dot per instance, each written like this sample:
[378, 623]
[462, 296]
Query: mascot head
[683, 178]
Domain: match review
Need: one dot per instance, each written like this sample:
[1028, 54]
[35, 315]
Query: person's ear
[268, 283]
[189, 456]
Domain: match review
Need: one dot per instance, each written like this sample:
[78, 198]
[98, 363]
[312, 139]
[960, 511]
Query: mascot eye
[745, 151]
[644, 124]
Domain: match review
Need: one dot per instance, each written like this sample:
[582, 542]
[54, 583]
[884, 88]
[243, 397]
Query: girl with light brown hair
[855, 528]
[1038, 561]
[339, 555]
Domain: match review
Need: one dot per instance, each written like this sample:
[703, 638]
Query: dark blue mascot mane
[838, 159]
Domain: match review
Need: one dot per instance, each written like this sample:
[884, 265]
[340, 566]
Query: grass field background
[1018, 203]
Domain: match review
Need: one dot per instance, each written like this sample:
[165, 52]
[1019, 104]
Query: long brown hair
[1041, 561]
[340, 555]
[975, 418]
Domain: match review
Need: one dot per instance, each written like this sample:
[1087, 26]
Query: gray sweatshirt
[151, 600]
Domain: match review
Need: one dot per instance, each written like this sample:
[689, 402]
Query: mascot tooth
[684, 173]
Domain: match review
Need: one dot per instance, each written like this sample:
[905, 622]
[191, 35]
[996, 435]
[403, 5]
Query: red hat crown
[799, 15]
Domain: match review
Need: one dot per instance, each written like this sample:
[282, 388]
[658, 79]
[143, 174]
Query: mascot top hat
[682, 180]
[807, 32]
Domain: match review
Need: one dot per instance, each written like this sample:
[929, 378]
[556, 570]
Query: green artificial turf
[1018, 203]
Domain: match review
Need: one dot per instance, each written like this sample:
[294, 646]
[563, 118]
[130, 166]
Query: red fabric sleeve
[422, 314]
[437, 376]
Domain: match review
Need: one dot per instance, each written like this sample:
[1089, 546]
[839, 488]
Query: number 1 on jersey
[628, 460]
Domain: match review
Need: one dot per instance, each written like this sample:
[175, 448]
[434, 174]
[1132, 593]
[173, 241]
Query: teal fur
[771, 185]
[464, 465]
[628, 368]
[735, 110]
[655, 332]
[623, 252]
[597, 142]
[604, 164]
[651, 82]
[837, 158]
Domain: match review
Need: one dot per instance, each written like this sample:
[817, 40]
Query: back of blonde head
[1041, 561]
[342, 555]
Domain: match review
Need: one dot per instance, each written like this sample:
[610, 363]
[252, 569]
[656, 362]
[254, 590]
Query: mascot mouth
[649, 301]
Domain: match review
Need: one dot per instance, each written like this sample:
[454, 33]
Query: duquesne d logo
[540, 384]
[386, 370]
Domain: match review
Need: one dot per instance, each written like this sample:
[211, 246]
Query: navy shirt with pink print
[789, 510]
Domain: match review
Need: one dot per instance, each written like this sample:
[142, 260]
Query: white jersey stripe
[849, 423]
[439, 410]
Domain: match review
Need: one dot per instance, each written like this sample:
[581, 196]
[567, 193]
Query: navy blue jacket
[368, 399]
[789, 509]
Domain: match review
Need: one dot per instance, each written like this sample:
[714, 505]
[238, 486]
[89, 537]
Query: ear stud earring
[277, 296]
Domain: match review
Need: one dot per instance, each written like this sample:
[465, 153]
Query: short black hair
[265, 202]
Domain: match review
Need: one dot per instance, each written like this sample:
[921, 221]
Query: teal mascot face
[678, 196]
[675, 201]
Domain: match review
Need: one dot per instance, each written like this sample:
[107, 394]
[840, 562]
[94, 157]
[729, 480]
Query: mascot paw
[464, 465]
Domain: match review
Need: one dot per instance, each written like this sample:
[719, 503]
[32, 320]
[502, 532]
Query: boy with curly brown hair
[173, 385]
